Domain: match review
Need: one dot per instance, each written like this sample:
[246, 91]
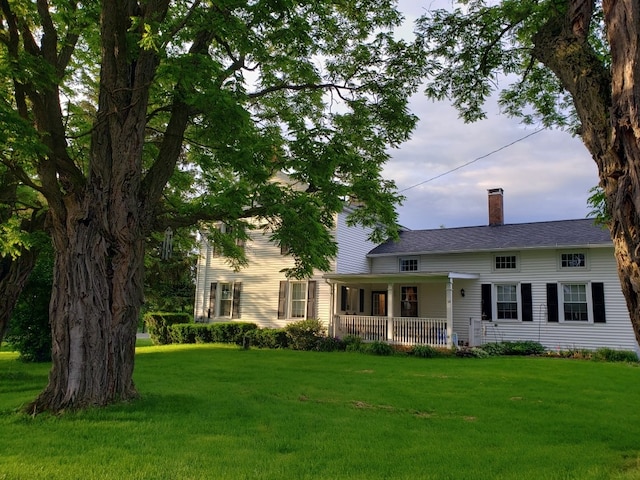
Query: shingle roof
[563, 233]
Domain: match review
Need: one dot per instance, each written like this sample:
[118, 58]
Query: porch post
[332, 308]
[450, 312]
[390, 303]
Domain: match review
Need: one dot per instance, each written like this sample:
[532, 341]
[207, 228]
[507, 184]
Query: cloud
[546, 176]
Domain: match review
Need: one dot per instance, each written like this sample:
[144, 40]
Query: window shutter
[527, 303]
[552, 302]
[597, 296]
[237, 289]
[211, 312]
[311, 299]
[486, 302]
[361, 303]
[343, 298]
[282, 300]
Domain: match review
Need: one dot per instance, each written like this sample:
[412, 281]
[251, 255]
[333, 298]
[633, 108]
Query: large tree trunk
[607, 103]
[14, 273]
[621, 177]
[98, 231]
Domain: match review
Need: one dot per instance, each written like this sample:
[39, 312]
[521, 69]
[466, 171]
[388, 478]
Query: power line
[472, 161]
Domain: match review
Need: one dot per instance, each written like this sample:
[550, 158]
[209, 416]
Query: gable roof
[563, 233]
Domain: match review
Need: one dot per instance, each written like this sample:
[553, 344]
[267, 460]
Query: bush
[521, 347]
[331, 344]
[611, 355]
[268, 338]
[230, 332]
[29, 330]
[190, 333]
[471, 352]
[379, 348]
[305, 334]
[423, 351]
[158, 324]
[352, 343]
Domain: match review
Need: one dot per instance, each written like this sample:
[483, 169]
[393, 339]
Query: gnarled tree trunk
[608, 104]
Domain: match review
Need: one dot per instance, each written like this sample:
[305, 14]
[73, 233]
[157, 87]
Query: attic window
[505, 262]
[409, 264]
[573, 260]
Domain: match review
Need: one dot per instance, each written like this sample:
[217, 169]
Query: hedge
[158, 324]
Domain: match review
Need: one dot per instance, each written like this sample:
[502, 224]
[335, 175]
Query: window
[409, 302]
[224, 300]
[505, 262]
[506, 302]
[379, 303]
[409, 264]
[576, 302]
[574, 298]
[351, 300]
[573, 260]
[297, 300]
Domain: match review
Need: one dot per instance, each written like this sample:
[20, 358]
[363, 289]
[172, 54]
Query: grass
[209, 411]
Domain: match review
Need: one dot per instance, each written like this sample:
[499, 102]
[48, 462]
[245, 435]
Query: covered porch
[414, 308]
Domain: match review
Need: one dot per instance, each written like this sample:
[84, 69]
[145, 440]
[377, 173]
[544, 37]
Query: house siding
[353, 246]
[261, 278]
[538, 268]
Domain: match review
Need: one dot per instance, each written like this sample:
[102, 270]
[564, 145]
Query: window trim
[495, 257]
[215, 295]
[285, 299]
[571, 268]
[402, 260]
[518, 301]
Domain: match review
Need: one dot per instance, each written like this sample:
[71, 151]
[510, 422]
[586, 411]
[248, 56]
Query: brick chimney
[496, 211]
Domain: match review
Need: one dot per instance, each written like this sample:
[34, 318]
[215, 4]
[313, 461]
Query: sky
[546, 176]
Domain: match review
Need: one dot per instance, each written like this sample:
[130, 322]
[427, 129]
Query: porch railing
[397, 330]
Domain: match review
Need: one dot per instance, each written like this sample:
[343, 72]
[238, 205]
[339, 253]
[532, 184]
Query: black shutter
[282, 299]
[237, 289]
[212, 300]
[311, 299]
[486, 302]
[361, 303]
[527, 303]
[343, 298]
[552, 302]
[597, 296]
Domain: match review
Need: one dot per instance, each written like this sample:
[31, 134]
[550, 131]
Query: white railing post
[390, 303]
[449, 312]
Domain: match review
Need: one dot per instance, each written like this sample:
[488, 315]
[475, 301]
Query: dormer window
[409, 264]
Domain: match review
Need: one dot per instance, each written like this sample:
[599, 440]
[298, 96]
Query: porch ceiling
[397, 277]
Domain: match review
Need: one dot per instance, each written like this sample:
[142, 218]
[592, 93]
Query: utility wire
[472, 161]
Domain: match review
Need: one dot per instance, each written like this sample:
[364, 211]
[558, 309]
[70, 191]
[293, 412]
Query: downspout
[332, 309]
[450, 312]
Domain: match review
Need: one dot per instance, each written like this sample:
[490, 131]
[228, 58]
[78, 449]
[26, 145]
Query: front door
[379, 303]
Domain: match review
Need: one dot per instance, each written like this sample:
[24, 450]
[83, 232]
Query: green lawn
[213, 412]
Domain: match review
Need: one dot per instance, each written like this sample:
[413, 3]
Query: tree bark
[98, 232]
[606, 101]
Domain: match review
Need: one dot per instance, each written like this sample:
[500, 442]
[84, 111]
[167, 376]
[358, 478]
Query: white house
[551, 282]
[261, 293]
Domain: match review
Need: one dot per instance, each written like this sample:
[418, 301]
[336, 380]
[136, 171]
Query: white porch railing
[397, 330]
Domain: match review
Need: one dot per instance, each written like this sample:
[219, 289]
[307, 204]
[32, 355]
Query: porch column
[390, 303]
[333, 298]
[450, 312]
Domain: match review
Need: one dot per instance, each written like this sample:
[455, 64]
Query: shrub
[471, 352]
[230, 332]
[611, 355]
[379, 348]
[305, 334]
[423, 351]
[268, 338]
[331, 344]
[158, 324]
[352, 343]
[29, 330]
[190, 333]
[521, 347]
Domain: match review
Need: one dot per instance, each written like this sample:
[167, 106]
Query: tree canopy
[572, 64]
[128, 117]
